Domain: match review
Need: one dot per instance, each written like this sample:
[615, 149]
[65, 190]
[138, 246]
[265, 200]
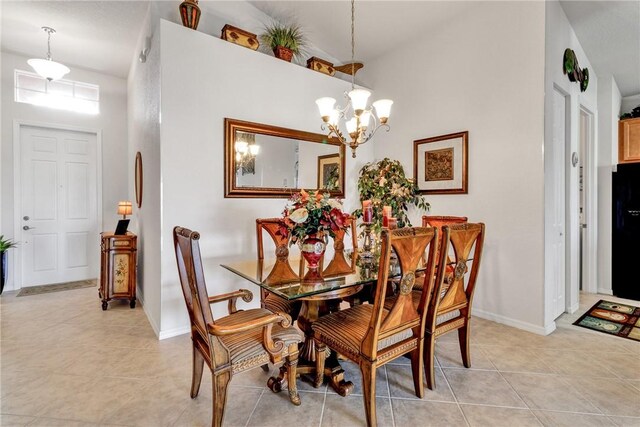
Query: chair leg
[417, 370]
[292, 363]
[429, 355]
[463, 337]
[321, 353]
[369, 392]
[196, 375]
[219, 383]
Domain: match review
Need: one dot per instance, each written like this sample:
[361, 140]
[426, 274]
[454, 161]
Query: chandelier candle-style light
[359, 126]
[48, 68]
[246, 150]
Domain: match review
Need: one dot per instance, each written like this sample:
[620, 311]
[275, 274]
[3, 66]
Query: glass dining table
[318, 296]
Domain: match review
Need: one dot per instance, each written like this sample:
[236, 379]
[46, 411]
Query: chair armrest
[275, 347]
[232, 297]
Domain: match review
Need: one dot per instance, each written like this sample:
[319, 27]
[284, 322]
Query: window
[68, 95]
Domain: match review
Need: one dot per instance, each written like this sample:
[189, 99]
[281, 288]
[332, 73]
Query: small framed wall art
[440, 164]
[329, 174]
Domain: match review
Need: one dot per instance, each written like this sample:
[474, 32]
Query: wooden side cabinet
[629, 141]
[118, 268]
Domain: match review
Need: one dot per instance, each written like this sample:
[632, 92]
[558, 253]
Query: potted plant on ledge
[5, 244]
[286, 41]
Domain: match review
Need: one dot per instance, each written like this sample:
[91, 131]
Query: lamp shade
[383, 108]
[359, 99]
[48, 69]
[325, 106]
[124, 208]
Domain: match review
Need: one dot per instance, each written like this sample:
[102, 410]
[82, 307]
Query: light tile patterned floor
[65, 362]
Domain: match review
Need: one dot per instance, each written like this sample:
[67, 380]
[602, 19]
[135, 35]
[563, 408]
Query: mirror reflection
[268, 161]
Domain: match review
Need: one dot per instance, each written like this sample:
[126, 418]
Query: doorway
[57, 204]
[587, 202]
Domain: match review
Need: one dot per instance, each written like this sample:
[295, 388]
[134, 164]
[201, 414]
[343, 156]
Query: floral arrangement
[308, 214]
[385, 184]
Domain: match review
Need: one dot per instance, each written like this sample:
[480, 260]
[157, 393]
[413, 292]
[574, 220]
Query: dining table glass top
[362, 274]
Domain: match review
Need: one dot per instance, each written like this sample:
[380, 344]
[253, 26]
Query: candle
[367, 212]
[386, 214]
[393, 223]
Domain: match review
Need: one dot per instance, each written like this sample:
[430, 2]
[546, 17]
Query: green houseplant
[385, 184]
[5, 245]
[286, 40]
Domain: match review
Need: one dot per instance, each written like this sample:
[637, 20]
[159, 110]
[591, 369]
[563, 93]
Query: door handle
[26, 228]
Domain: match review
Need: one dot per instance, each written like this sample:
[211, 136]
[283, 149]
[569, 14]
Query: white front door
[59, 215]
[557, 232]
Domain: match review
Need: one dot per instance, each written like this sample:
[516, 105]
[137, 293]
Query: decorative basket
[241, 37]
[321, 65]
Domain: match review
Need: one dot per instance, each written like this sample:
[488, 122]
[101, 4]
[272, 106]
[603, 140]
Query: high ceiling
[609, 32]
[101, 35]
[97, 35]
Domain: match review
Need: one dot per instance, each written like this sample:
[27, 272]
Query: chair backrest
[456, 293]
[281, 271]
[195, 294]
[339, 264]
[440, 221]
[409, 245]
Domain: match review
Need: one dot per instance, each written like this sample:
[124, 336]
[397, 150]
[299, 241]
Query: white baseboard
[152, 321]
[169, 333]
[573, 308]
[605, 291]
[540, 330]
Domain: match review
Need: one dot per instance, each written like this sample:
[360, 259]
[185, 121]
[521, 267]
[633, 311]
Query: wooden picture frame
[440, 164]
[326, 167]
[138, 176]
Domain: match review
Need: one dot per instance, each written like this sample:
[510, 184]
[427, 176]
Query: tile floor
[65, 362]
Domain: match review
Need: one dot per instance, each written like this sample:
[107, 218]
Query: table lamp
[124, 209]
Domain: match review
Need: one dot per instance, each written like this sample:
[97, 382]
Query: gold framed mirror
[138, 179]
[272, 162]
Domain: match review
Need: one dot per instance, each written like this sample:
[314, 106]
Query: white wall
[143, 105]
[609, 101]
[112, 121]
[200, 86]
[482, 72]
[559, 36]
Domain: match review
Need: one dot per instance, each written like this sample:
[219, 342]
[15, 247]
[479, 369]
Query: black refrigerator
[626, 232]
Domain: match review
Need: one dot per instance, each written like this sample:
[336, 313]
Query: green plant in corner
[385, 184]
[632, 115]
[6, 244]
[289, 36]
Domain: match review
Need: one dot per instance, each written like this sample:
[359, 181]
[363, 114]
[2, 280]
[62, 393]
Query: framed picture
[440, 164]
[329, 173]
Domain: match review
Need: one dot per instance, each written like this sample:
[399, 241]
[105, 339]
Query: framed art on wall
[329, 175]
[440, 164]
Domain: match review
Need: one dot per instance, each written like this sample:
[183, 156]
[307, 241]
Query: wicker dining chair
[371, 335]
[450, 307]
[281, 271]
[234, 343]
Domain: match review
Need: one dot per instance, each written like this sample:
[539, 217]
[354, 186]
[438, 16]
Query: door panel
[59, 215]
[559, 205]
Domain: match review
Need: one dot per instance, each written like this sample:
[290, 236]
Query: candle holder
[367, 243]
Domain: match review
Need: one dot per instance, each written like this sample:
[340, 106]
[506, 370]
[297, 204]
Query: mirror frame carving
[233, 191]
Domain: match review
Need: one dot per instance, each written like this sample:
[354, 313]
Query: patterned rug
[46, 289]
[613, 318]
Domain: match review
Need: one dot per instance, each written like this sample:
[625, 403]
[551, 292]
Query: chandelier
[246, 151]
[48, 68]
[359, 128]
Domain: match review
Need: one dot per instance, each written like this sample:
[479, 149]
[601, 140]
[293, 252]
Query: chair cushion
[344, 330]
[246, 348]
[278, 304]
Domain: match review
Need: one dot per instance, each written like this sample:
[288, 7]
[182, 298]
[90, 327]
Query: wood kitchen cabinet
[629, 140]
[118, 262]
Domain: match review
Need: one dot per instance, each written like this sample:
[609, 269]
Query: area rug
[46, 289]
[612, 318]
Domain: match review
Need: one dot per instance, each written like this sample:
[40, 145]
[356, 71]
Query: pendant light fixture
[48, 68]
[358, 126]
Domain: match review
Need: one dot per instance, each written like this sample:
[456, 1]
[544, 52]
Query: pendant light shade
[48, 68]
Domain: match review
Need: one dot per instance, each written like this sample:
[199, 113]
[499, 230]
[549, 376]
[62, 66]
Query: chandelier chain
[353, 42]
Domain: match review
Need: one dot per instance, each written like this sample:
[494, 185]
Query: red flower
[337, 219]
